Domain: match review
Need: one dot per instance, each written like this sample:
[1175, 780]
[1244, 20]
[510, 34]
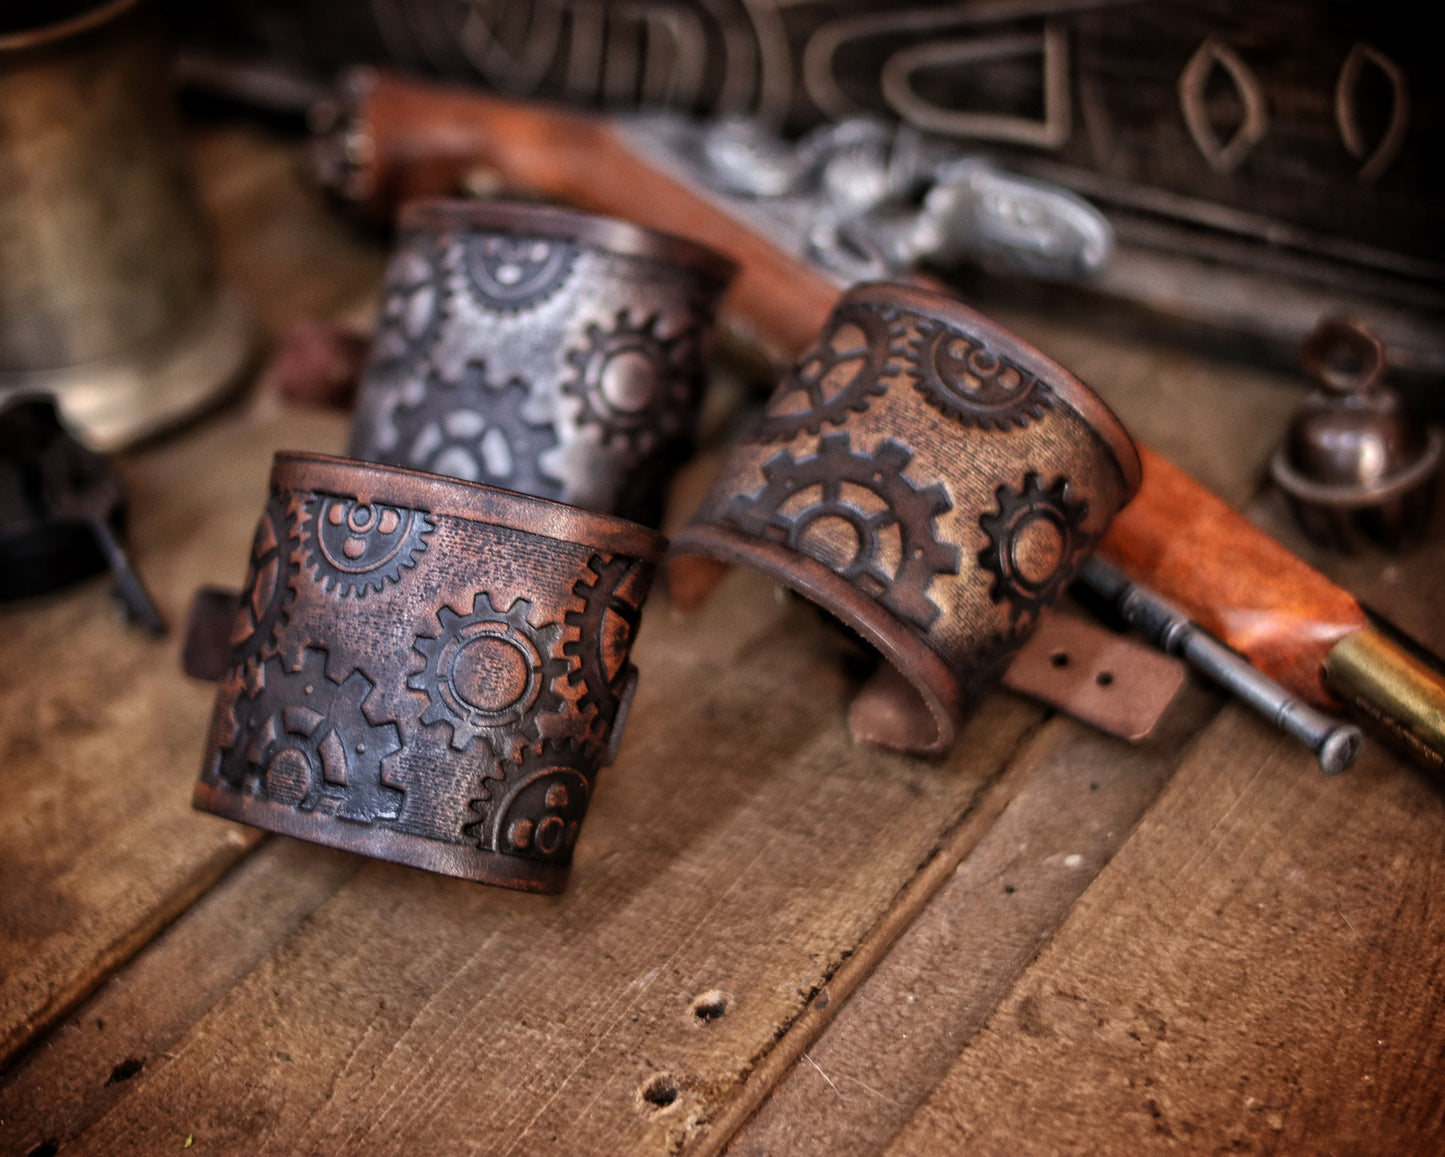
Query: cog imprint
[834, 529]
[538, 807]
[412, 301]
[606, 624]
[267, 590]
[305, 740]
[635, 385]
[490, 673]
[510, 274]
[1036, 539]
[959, 376]
[843, 372]
[478, 432]
[357, 547]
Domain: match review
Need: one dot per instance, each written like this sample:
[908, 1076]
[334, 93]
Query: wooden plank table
[774, 941]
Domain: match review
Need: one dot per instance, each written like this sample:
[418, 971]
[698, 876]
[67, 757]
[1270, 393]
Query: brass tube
[1398, 695]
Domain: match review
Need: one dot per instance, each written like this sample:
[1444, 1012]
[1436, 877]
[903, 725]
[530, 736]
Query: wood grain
[861, 1081]
[129, 1025]
[1258, 970]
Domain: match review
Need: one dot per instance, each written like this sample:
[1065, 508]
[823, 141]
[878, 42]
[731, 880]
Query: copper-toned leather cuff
[933, 482]
[426, 670]
[551, 352]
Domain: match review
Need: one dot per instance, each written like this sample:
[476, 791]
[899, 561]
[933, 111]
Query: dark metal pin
[1334, 743]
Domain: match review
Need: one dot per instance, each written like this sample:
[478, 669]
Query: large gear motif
[267, 592]
[606, 623]
[510, 274]
[413, 302]
[844, 370]
[305, 740]
[907, 508]
[490, 674]
[1036, 540]
[959, 376]
[636, 387]
[478, 432]
[357, 547]
[538, 807]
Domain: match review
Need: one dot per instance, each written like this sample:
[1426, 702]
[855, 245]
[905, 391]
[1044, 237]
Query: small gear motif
[490, 673]
[267, 590]
[847, 367]
[611, 594]
[636, 386]
[961, 377]
[478, 432]
[304, 739]
[900, 583]
[510, 274]
[356, 547]
[537, 809]
[413, 300]
[1035, 541]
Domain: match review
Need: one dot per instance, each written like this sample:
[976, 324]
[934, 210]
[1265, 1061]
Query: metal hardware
[61, 506]
[1334, 743]
[868, 201]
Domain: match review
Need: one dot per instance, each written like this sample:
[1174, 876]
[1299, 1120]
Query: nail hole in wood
[1104, 678]
[659, 1091]
[711, 1005]
[1059, 658]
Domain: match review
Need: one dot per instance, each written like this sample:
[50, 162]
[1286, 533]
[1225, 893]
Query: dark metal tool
[1334, 742]
[61, 510]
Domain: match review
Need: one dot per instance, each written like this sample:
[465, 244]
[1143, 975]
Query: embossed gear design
[490, 674]
[305, 740]
[478, 432]
[959, 376]
[908, 508]
[511, 274]
[413, 301]
[537, 808]
[602, 596]
[356, 547]
[636, 386]
[1036, 540]
[838, 377]
[266, 595]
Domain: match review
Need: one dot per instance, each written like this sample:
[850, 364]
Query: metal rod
[1334, 743]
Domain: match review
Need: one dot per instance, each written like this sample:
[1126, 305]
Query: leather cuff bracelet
[426, 670]
[546, 351]
[930, 480]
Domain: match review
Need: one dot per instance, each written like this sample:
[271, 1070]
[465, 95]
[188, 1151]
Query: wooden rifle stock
[410, 139]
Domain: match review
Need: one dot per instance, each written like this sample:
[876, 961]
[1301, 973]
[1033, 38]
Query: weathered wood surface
[743, 870]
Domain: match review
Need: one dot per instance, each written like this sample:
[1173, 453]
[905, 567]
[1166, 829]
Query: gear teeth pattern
[637, 388]
[478, 432]
[537, 809]
[838, 377]
[610, 600]
[355, 547]
[304, 739]
[960, 377]
[512, 274]
[1036, 540]
[268, 589]
[908, 508]
[490, 674]
[413, 301]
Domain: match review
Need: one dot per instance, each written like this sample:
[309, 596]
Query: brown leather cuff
[426, 670]
[933, 482]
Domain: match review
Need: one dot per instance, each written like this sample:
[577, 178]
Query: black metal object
[62, 512]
